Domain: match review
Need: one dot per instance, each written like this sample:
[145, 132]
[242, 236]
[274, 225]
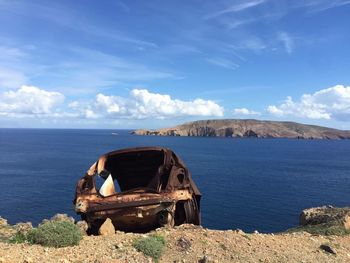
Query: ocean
[250, 184]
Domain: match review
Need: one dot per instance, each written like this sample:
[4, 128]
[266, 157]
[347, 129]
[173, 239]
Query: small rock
[23, 228]
[256, 232]
[2, 260]
[107, 228]
[28, 260]
[119, 246]
[328, 249]
[44, 221]
[239, 231]
[204, 259]
[346, 222]
[183, 243]
[3, 221]
[62, 217]
[83, 226]
[312, 239]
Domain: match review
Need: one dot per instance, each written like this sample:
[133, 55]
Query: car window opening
[136, 170]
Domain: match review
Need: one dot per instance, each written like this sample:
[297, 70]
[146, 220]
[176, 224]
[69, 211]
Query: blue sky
[150, 64]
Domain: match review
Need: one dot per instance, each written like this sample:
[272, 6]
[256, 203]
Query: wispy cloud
[73, 68]
[237, 23]
[11, 53]
[242, 5]
[10, 78]
[252, 43]
[287, 41]
[122, 5]
[95, 69]
[16, 65]
[223, 62]
[62, 16]
[315, 6]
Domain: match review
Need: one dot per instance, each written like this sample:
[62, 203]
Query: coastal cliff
[248, 128]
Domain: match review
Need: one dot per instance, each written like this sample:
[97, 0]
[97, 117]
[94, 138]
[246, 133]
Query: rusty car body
[155, 189]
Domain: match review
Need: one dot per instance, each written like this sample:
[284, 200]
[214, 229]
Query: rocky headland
[323, 236]
[248, 128]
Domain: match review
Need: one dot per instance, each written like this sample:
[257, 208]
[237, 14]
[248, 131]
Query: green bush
[150, 246]
[18, 238]
[55, 234]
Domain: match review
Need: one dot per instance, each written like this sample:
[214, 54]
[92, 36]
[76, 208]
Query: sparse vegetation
[246, 236]
[6, 232]
[18, 238]
[204, 242]
[152, 246]
[55, 234]
[222, 246]
[322, 229]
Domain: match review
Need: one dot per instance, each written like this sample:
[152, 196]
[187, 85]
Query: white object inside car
[108, 187]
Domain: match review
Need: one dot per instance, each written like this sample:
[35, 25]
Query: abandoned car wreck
[154, 189]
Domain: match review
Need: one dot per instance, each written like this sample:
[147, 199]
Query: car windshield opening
[136, 169]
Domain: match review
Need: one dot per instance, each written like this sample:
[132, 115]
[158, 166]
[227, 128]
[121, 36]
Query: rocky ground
[329, 242]
[188, 243]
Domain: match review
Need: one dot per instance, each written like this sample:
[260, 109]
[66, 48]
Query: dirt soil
[188, 243]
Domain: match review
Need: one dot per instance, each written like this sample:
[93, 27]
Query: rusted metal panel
[156, 190]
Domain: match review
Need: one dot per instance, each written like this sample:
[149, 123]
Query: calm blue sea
[251, 184]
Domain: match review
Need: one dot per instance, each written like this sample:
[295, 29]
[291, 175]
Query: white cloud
[143, 104]
[245, 111]
[330, 103]
[274, 110]
[29, 101]
[287, 41]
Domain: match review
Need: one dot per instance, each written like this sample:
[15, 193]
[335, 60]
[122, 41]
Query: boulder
[327, 248]
[239, 231]
[6, 230]
[62, 217]
[83, 226]
[23, 228]
[58, 217]
[44, 221]
[107, 228]
[183, 243]
[3, 221]
[326, 215]
[347, 222]
[205, 259]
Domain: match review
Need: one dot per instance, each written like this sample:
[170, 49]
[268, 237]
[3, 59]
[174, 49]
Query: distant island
[239, 128]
